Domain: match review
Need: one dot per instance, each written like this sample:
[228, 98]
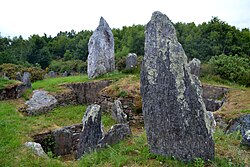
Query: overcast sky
[27, 17]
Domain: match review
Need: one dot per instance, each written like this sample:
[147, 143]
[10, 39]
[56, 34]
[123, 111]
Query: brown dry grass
[237, 103]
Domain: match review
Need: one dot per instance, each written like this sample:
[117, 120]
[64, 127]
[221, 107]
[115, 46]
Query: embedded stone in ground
[40, 103]
[117, 112]
[131, 60]
[36, 148]
[91, 132]
[101, 51]
[175, 116]
[116, 133]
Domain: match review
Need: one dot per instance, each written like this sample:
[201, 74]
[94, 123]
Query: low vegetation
[6, 83]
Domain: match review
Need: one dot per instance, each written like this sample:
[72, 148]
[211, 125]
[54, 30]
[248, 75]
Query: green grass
[52, 84]
[5, 82]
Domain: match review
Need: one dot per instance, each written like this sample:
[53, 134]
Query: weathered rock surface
[26, 79]
[91, 132]
[117, 113]
[36, 148]
[101, 51]
[40, 103]
[131, 61]
[116, 133]
[63, 141]
[195, 66]
[175, 117]
[241, 124]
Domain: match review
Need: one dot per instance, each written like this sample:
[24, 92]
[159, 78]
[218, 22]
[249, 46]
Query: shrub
[11, 69]
[77, 66]
[233, 68]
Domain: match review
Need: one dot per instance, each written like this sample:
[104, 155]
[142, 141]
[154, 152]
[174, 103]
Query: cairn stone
[175, 116]
[101, 51]
[91, 132]
[131, 61]
[117, 112]
[195, 66]
[26, 79]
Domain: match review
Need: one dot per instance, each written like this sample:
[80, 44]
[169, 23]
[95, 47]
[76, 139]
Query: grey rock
[91, 132]
[40, 103]
[175, 116]
[116, 133]
[131, 61]
[36, 148]
[65, 74]
[241, 124]
[117, 112]
[51, 74]
[18, 76]
[63, 141]
[26, 79]
[195, 66]
[101, 51]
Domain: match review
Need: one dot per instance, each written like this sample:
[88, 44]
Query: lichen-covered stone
[195, 66]
[91, 132]
[175, 117]
[131, 61]
[26, 79]
[116, 133]
[36, 148]
[101, 51]
[117, 112]
[40, 103]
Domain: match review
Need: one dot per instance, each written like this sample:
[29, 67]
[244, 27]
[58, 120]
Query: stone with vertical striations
[91, 132]
[101, 51]
[175, 116]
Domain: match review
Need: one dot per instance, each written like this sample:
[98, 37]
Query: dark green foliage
[233, 68]
[77, 66]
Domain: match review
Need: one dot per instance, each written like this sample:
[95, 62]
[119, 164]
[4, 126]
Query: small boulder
[195, 66]
[40, 103]
[36, 148]
[131, 61]
[65, 74]
[26, 79]
[91, 132]
[116, 133]
[117, 112]
[52, 74]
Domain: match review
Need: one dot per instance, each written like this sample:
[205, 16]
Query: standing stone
[63, 141]
[91, 132]
[118, 114]
[174, 113]
[52, 74]
[101, 51]
[18, 76]
[131, 61]
[65, 74]
[195, 66]
[26, 79]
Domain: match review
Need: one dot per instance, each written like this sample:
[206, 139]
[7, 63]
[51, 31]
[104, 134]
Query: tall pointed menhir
[175, 117]
[101, 57]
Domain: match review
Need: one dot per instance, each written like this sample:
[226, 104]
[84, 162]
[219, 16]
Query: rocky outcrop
[40, 103]
[117, 112]
[101, 51]
[36, 148]
[116, 133]
[175, 117]
[131, 61]
[92, 131]
[195, 66]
